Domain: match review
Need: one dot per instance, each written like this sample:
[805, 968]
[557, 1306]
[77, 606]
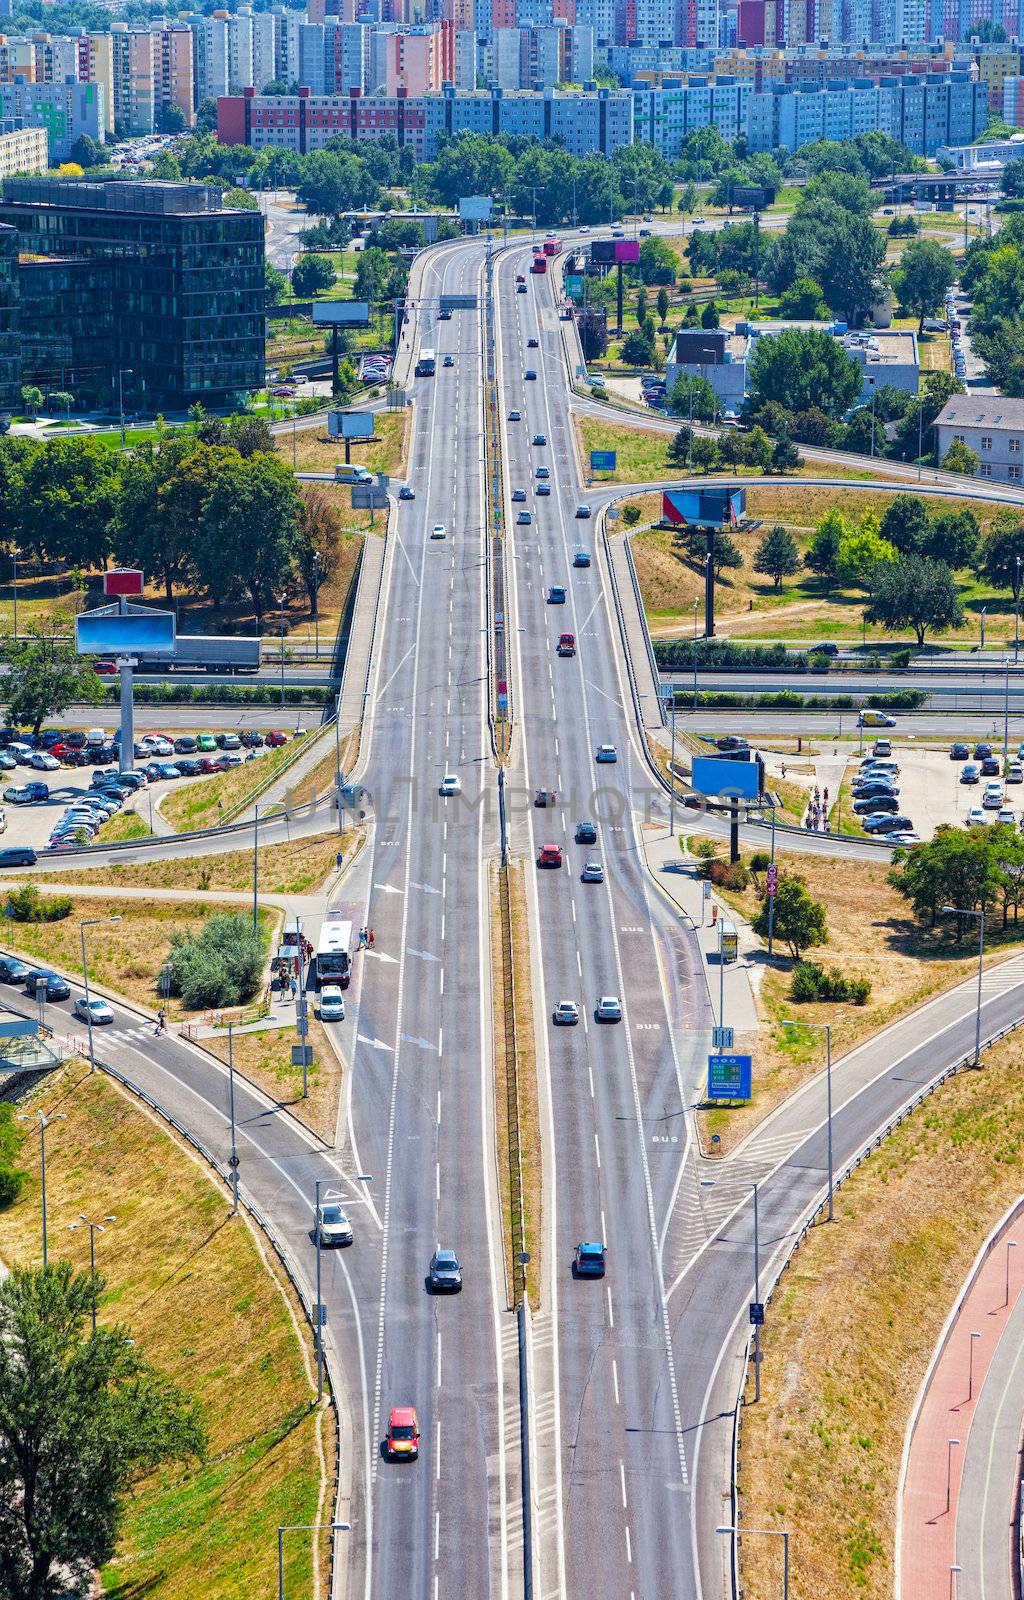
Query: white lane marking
[611, 1314]
[629, 1546]
[439, 1358]
[437, 1467]
[622, 1484]
[615, 1379]
[437, 1180]
[597, 1152]
[590, 1075]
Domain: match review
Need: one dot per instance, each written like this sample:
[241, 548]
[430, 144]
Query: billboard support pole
[126, 754]
[618, 294]
[734, 832]
[334, 363]
[709, 586]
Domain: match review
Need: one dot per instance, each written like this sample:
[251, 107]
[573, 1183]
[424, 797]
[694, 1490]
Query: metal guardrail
[281, 1252]
[811, 1216]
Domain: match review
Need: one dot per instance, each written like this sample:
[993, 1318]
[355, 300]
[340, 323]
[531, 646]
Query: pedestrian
[783, 769]
[371, 938]
[293, 985]
[337, 861]
[161, 1021]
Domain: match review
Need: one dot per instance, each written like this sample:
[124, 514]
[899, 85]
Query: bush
[704, 849]
[760, 861]
[813, 982]
[28, 905]
[219, 966]
[721, 654]
[11, 1183]
[11, 1135]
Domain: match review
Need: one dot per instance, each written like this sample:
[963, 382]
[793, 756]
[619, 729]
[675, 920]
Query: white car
[609, 1008]
[450, 784]
[1014, 772]
[976, 818]
[992, 799]
[439, 531]
[332, 1003]
[566, 1014]
[332, 1224]
[96, 1010]
[1008, 816]
[44, 762]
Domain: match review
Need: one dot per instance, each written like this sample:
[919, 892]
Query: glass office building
[10, 357]
[154, 285]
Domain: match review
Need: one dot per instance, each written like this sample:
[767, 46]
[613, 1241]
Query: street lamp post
[1011, 1244]
[44, 1123]
[301, 1527]
[1016, 611]
[826, 1028]
[950, 1443]
[696, 603]
[233, 1160]
[256, 869]
[14, 558]
[90, 922]
[961, 911]
[332, 1194]
[94, 1228]
[975, 1334]
[123, 372]
[734, 1530]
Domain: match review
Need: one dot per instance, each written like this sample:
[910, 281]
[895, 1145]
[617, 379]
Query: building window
[1013, 445]
[1013, 472]
[958, 438]
[986, 441]
[985, 470]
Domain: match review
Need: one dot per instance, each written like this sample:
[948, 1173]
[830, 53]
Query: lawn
[315, 451]
[125, 824]
[265, 1058]
[300, 867]
[871, 934]
[125, 957]
[200, 1297]
[749, 605]
[849, 1335]
[209, 801]
[643, 455]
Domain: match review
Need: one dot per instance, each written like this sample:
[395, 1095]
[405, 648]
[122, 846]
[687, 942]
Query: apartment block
[921, 113]
[22, 150]
[664, 117]
[173, 70]
[64, 110]
[990, 425]
[134, 88]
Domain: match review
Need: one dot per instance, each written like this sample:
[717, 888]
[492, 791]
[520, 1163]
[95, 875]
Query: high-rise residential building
[95, 64]
[1013, 102]
[996, 63]
[664, 117]
[173, 70]
[419, 60]
[65, 110]
[312, 57]
[921, 113]
[17, 58]
[210, 55]
[286, 44]
[23, 149]
[465, 62]
[134, 94]
[158, 279]
[55, 58]
[346, 56]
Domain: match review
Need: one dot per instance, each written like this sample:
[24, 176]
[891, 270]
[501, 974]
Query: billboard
[715, 508]
[109, 631]
[475, 208]
[729, 1077]
[713, 776]
[753, 198]
[603, 460]
[350, 424]
[123, 580]
[369, 497]
[615, 252]
[342, 313]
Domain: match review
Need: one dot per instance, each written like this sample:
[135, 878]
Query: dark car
[556, 594]
[881, 822]
[991, 767]
[40, 978]
[586, 833]
[185, 744]
[445, 1272]
[589, 1260]
[982, 750]
[530, 375]
[958, 752]
[18, 855]
[872, 804]
[732, 741]
[37, 791]
[823, 650]
[252, 740]
[75, 739]
[189, 767]
[12, 970]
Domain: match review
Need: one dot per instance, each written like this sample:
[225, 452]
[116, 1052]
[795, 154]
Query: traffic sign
[320, 1315]
[729, 1077]
[757, 1313]
[721, 1038]
[772, 881]
[302, 1055]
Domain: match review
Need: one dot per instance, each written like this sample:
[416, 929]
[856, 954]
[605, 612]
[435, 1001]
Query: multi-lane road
[634, 1378]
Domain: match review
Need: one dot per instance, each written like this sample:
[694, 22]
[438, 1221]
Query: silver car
[332, 1224]
[566, 1013]
[609, 1008]
[593, 872]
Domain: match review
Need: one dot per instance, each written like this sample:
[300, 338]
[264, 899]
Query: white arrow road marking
[424, 955]
[378, 955]
[378, 1044]
[387, 888]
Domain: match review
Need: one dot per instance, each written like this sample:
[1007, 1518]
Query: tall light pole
[233, 1159]
[90, 922]
[122, 373]
[696, 603]
[1016, 611]
[256, 869]
[779, 1533]
[1006, 713]
[301, 1527]
[332, 1194]
[44, 1123]
[94, 1228]
[962, 911]
[14, 558]
[826, 1029]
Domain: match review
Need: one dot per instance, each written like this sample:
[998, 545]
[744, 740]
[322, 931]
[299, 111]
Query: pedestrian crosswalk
[1000, 979]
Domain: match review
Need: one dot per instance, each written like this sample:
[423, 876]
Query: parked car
[971, 773]
[958, 752]
[18, 855]
[975, 818]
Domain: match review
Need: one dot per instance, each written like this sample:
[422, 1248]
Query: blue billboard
[111, 632]
[603, 460]
[729, 1077]
[703, 508]
[713, 775]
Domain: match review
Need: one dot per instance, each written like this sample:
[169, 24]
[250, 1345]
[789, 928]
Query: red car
[210, 764]
[276, 738]
[550, 855]
[566, 644]
[106, 669]
[403, 1433]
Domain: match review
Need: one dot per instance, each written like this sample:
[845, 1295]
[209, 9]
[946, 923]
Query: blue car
[590, 1259]
[581, 558]
[606, 752]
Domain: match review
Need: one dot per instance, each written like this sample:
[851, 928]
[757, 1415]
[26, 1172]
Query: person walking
[370, 938]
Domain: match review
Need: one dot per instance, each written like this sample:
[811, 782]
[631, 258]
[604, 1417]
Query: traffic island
[516, 1108]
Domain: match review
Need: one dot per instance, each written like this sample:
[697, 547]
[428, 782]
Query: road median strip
[517, 1125]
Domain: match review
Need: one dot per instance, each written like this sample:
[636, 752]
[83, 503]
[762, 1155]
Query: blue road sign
[603, 460]
[729, 1077]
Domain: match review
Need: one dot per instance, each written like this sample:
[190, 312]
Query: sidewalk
[636, 631]
[958, 1492]
[676, 875]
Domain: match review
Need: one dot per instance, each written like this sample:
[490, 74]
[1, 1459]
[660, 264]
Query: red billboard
[123, 580]
[619, 251]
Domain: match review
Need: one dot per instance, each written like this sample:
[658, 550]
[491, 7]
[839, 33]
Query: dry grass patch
[315, 451]
[320, 778]
[870, 934]
[265, 1058]
[125, 957]
[206, 1306]
[849, 1335]
[209, 801]
[296, 868]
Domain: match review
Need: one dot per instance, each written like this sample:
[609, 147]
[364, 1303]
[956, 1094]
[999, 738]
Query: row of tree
[976, 869]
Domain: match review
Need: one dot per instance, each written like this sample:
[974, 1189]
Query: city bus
[426, 365]
[333, 951]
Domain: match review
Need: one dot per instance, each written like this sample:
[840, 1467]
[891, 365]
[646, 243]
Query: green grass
[190, 1285]
[123, 825]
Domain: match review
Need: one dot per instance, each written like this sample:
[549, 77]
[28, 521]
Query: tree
[275, 284]
[311, 274]
[726, 555]
[83, 1418]
[85, 152]
[163, 489]
[679, 448]
[658, 262]
[704, 454]
[860, 552]
[956, 868]
[777, 555]
[760, 450]
[638, 349]
[799, 920]
[952, 537]
[1012, 181]
[593, 331]
[823, 554]
[663, 305]
[46, 676]
[905, 523]
[785, 455]
[803, 301]
[914, 593]
[248, 530]
[70, 492]
[799, 368]
[960, 458]
[692, 396]
[709, 317]
[1002, 553]
[316, 550]
[31, 399]
[926, 271]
